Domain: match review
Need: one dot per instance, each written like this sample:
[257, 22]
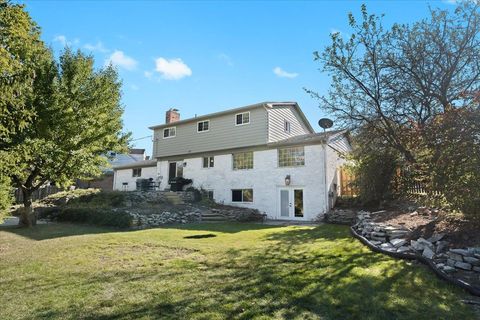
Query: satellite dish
[325, 123]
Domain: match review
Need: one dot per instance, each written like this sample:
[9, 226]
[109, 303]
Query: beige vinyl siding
[276, 123]
[222, 134]
[341, 144]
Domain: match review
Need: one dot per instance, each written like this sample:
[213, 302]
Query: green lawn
[212, 271]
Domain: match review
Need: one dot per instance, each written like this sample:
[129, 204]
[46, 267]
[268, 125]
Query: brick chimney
[172, 115]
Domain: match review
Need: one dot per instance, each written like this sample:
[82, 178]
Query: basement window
[208, 162]
[242, 195]
[136, 172]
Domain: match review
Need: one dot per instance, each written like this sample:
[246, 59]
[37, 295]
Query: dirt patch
[425, 222]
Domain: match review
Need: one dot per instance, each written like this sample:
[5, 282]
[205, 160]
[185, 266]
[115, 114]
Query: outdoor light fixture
[287, 180]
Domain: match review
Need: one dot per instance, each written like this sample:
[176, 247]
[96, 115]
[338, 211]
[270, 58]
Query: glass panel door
[298, 201]
[284, 203]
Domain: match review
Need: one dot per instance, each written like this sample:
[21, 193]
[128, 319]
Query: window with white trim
[169, 132]
[287, 126]
[208, 162]
[242, 195]
[136, 172]
[291, 157]
[203, 126]
[243, 160]
[242, 118]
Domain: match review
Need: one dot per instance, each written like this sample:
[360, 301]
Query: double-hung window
[203, 126]
[242, 118]
[291, 157]
[208, 162]
[243, 160]
[169, 132]
[242, 195]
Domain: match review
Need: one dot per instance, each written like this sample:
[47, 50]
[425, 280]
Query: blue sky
[203, 57]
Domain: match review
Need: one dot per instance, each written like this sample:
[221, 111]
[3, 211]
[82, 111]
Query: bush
[99, 217]
[6, 198]
[455, 160]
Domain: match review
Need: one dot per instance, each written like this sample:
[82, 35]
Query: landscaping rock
[455, 256]
[426, 243]
[463, 265]
[436, 237]
[448, 269]
[398, 242]
[428, 253]
[451, 262]
[472, 260]
[476, 269]
[462, 252]
[403, 249]
[417, 245]
[441, 246]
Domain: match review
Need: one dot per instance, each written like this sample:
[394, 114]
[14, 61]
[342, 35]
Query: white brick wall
[265, 179]
[125, 175]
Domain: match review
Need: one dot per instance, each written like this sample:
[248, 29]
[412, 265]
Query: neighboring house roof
[137, 164]
[238, 110]
[136, 151]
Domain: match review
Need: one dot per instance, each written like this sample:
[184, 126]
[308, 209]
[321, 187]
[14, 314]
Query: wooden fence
[38, 194]
[347, 186]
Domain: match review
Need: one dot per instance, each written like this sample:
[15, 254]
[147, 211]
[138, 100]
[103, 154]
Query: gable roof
[238, 110]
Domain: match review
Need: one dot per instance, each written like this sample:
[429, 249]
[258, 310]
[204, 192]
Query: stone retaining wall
[434, 251]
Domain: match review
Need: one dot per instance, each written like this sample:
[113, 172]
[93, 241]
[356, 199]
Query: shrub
[99, 217]
[6, 198]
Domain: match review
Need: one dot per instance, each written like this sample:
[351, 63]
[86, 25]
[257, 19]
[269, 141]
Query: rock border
[408, 256]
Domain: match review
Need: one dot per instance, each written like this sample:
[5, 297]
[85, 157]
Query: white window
[169, 132]
[209, 194]
[243, 160]
[208, 162]
[136, 172]
[242, 195]
[291, 157]
[242, 118]
[287, 126]
[124, 186]
[203, 126]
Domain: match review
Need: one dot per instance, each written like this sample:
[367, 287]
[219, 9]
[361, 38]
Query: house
[106, 180]
[265, 156]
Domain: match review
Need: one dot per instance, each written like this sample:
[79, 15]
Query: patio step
[213, 217]
[174, 198]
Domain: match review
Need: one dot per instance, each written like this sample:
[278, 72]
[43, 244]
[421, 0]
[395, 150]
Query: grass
[212, 271]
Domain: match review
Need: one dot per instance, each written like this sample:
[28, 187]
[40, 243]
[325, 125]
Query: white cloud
[225, 58]
[61, 39]
[172, 69]
[284, 74]
[96, 47]
[148, 74]
[65, 42]
[120, 59]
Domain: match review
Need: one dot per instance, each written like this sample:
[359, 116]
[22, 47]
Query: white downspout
[325, 172]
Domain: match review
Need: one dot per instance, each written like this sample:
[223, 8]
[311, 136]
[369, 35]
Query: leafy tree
[77, 120]
[21, 52]
[396, 80]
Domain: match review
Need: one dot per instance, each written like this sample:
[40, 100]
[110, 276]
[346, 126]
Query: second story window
[243, 160]
[136, 172]
[208, 162]
[242, 118]
[203, 126]
[291, 157]
[287, 126]
[169, 132]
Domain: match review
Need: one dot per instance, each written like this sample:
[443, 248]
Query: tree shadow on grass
[57, 230]
[297, 273]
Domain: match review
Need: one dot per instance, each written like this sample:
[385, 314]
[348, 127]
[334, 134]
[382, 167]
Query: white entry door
[291, 203]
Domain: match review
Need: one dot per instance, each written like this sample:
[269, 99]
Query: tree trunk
[27, 217]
